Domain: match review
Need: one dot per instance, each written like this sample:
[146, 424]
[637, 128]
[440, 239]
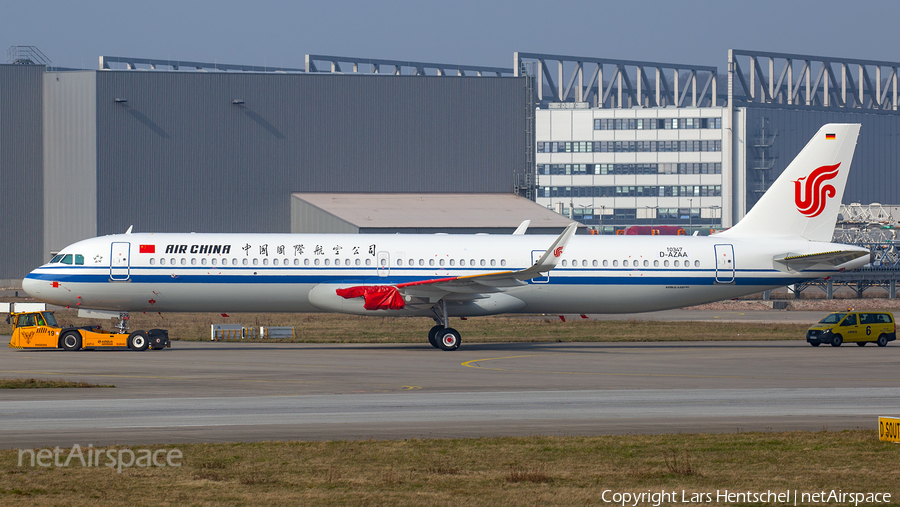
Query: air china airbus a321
[784, 239]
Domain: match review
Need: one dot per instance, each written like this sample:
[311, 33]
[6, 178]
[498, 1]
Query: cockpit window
[67, 259]
[56, 259]
[79, 259]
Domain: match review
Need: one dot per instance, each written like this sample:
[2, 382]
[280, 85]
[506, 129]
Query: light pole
[690, 216]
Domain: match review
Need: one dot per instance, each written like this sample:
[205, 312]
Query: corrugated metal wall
[180, 156]
[70, 158]
[21, 179]
[875, 172]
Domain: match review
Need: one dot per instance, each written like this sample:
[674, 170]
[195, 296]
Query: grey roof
[433, 210]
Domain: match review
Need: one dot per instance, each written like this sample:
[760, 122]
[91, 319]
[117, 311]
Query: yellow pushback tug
[40, 330]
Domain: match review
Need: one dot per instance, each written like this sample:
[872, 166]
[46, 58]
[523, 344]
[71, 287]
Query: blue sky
[280, 33]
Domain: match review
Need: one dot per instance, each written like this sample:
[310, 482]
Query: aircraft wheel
[815, 344]
[837, 340]
[157, 339]
[448, 339]
[432, 334]
[882, 341]
[138, 341]
[71, 340]
[861, 344]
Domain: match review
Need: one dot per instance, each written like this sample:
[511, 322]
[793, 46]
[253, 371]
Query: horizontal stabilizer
[798, 262]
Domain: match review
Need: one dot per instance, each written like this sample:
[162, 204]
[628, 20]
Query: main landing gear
[442, 336]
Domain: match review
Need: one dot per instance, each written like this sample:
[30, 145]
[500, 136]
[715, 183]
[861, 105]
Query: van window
[866, 318]
[834, 318]
[850, 320]
[883, 318]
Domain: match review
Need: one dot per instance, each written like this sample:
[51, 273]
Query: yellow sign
[889, 429]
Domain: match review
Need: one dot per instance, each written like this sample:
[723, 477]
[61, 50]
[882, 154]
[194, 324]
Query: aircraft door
[536, 256]
[383, 263]
[119, 262]
[724, 263]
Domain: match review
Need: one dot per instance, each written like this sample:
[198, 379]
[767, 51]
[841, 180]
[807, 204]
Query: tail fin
[804, 201]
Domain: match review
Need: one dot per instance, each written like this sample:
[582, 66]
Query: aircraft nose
[31, 285]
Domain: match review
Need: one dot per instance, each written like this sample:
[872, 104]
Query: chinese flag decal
[147, 249]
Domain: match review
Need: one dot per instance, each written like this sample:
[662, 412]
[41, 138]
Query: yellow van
[857, 327]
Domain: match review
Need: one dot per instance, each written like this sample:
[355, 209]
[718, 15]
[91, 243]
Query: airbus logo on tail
[810, 196]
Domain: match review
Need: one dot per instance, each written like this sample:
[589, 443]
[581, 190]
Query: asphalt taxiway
[227, 391]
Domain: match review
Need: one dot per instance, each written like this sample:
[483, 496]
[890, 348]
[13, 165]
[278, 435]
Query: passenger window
[357, 262]
[482, 262]
[256, 262]
[615, 263]
[605, 263]
[675, 263]
[327, 262]
[441, 262]
[421, 262]
[646, 264]
[347, 262]
[368, 262]
[493, 262]
[184, 261]
[79, 259]
[866, 318]
[563, 263]
[152, 261]
[25, 320]
[696, 264]
[625, 263]
[316, 262]
[595, 263]
[203, 261]
[213, 261]
[297, 262]
[67, 259]
[162, 262]
[244, 262]
[431, 262]
[266, 262]
[503, 262]
[452, 262]
[194, 261]
[666, 263]
[655, 264]
[850, 320]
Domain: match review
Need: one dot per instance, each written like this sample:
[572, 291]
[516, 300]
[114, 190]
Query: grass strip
[334, 328]
[36, 383]
[473, 472]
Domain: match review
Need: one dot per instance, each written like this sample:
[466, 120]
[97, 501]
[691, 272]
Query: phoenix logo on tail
[810, 197]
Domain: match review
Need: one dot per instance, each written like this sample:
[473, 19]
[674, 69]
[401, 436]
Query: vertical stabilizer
[804, 201]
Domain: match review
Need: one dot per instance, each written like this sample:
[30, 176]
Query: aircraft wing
[383, 297]
[798, 262]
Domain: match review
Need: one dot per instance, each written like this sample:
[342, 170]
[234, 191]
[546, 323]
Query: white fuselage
[300, 272]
